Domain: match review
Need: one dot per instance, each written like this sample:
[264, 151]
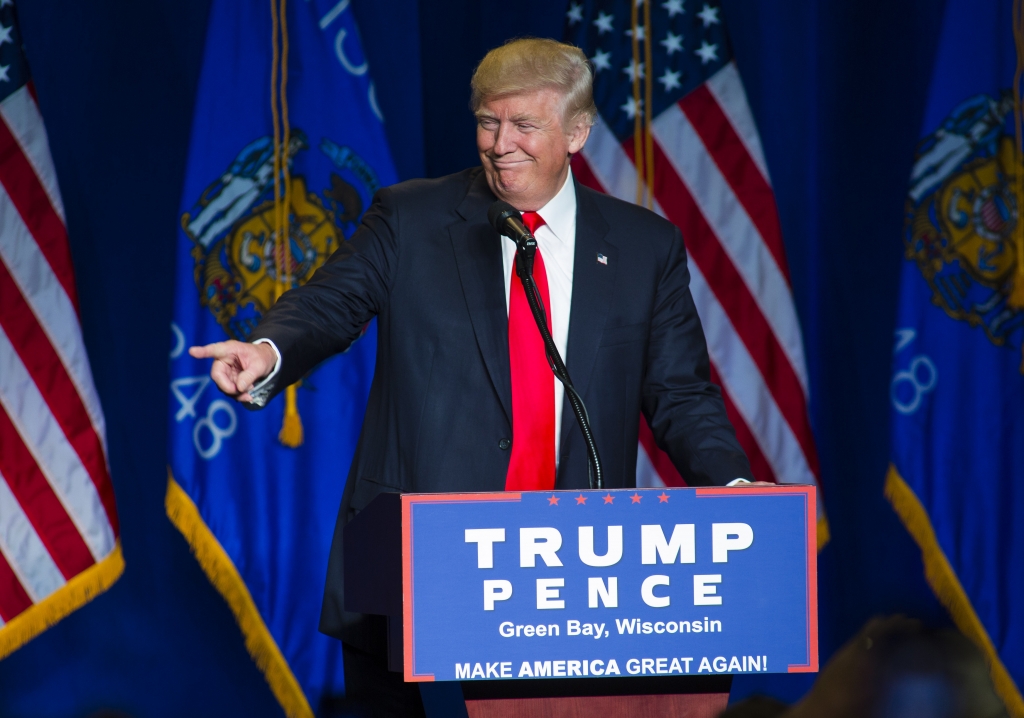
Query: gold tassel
[291, 427]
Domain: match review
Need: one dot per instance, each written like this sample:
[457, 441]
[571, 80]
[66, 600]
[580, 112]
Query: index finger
[217, 350]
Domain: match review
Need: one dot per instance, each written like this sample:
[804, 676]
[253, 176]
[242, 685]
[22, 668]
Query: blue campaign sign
[612, 583]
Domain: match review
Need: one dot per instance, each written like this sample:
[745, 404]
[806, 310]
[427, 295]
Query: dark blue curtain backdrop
[837, 88]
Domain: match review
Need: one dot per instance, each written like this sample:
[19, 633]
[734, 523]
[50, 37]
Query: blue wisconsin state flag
[957, 472]
[260, 516]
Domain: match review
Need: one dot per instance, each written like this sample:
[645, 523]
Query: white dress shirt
[556, 240]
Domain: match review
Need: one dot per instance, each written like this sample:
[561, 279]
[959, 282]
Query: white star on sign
[601, 60]
[604, 23]
[632, 107]
[5, 34]
[673, 7]
[639, 33]
[575, 13]
[3, 73]
[634, 69]
[709, 16]
[670, 80]
[672, 43]
[707, 53]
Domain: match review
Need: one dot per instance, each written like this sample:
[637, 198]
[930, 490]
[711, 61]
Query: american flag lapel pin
[601, 259]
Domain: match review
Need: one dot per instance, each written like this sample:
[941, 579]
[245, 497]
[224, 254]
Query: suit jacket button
[504, 444]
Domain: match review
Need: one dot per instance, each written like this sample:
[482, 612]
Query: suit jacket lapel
[478, 256]
[592, 283]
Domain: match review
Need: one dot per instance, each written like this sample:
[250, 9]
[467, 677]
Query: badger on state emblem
[232, 225]
[961, 215]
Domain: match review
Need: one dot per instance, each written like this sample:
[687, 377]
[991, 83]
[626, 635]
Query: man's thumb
[245, 380]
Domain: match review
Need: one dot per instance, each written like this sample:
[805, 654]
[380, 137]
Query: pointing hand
[237, 366]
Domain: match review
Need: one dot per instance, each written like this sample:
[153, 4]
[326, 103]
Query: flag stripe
[21, 113]
[646, 475]
[753, 399]
[24, 549]
[657, 459]
[32, 203]
[733, 296]
[50, 304]
[609, 164]
[660, 462]
[55, 456]
[40, 504]
[55, 386]
[759, 465]
[582, 171]
[727, 89]
[726, 223]
[748, 185]
[57, 514]
[606, 158]
[13, 597]
[711, 180]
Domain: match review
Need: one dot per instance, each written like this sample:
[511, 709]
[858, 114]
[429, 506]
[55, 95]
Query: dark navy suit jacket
[426, 263]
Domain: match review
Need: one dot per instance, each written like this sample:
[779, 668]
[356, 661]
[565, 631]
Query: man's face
[525, 148]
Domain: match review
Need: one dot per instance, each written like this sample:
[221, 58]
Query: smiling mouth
[507, 164]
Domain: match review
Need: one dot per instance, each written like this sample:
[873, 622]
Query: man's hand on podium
[237, 366]
[755, 483]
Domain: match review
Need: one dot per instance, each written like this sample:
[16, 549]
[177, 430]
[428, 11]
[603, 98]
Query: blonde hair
[532, 63]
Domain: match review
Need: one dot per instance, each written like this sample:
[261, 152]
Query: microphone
[507, 220]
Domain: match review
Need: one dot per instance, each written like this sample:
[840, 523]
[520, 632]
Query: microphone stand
[526, 248]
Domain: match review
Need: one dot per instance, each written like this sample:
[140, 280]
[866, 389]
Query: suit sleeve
[684, 409]
[323, 317]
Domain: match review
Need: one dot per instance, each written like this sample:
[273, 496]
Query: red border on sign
[407, 593]
[811, 508]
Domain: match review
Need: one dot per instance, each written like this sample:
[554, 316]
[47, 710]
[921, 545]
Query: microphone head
[499, 213]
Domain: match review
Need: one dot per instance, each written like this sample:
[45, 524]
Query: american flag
[58, 525]
[709, 176]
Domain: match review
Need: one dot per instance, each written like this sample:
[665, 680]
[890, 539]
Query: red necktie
[532, 464]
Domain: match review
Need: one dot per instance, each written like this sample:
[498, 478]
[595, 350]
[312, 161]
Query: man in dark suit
[462, 398]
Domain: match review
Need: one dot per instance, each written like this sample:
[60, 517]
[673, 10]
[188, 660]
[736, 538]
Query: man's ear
[578, 135]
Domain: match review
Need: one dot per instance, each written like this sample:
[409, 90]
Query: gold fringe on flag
[291, 427]
[221, 572]
[74, 594]
[947, 587]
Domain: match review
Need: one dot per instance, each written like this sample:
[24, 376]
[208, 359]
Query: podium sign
[635, 582]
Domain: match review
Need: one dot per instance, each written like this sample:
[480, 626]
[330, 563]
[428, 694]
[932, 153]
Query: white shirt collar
[560, 212]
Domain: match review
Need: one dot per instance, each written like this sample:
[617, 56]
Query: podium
[627, 601]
